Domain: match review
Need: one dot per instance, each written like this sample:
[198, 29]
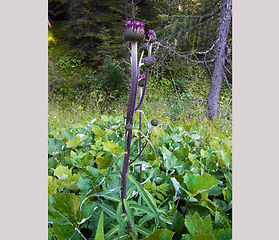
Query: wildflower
[134, 31]
[142, 80]
[151, 36]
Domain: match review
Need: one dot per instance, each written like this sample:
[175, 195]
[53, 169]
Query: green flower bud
[149, 61]
[154, 122]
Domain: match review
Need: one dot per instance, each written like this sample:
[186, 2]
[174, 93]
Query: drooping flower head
[142, 79]
[149, 61]
[134, 31]
[151, 36]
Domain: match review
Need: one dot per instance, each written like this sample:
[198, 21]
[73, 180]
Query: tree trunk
[218, 72]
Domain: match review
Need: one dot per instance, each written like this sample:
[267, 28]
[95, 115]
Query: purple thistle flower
[151, 36]
[129, 23]
[143, 77]
[134, 31]
[142, 80]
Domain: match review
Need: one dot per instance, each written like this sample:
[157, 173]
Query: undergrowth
[87, 142]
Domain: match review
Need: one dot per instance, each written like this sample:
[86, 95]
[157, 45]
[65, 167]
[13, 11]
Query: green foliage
[199, 183]
[100, 229]
[186, 192]
[113, 79]
[163, 234]
[70, 62]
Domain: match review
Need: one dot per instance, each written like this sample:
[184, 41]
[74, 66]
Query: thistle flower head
[151, 36]
[142, 80]
[134, 31]
[149, 61]
[143, 77]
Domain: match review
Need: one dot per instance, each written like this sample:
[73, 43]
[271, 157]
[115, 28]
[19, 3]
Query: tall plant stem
[141, 95]
[129, 119]
[146, 75]
[140, 128]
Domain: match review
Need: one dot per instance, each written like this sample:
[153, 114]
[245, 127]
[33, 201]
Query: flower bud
[142, 80]
[151, 36]
[149, 61]
[134, 31]
[154, 122]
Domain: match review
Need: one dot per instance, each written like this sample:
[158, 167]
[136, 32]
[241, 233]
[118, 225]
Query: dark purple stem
[146, 75]
[140, 142]
[129, 119]
[144, 90]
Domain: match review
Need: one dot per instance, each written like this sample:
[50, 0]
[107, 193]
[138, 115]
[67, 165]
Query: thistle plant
[134, 33]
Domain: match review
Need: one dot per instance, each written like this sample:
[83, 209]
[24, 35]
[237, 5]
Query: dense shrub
[113, 79]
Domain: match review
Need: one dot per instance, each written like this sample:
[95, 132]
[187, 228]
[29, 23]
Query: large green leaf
[178, 222]
[223, 234]
[221, 220]
[227, 192]
[227, 195]
[215, 191]
[170, 159]
[197, 225]
[87, 209]
[55, 146]
[112, 147]
[73, 143]
[54, 185]
[71, 182]
[98, 131]
[199, 183]
[62, 172]
[228, 177]
[100, 230]
[84, 183]
[162, 234]
[64, 212]
[65, 232]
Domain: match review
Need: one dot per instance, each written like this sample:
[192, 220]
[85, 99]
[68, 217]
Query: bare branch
[229, 85]
[210, 49]
[227, 70]
[189, 59]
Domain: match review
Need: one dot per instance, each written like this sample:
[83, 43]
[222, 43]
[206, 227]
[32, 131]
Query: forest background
[89, 59]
